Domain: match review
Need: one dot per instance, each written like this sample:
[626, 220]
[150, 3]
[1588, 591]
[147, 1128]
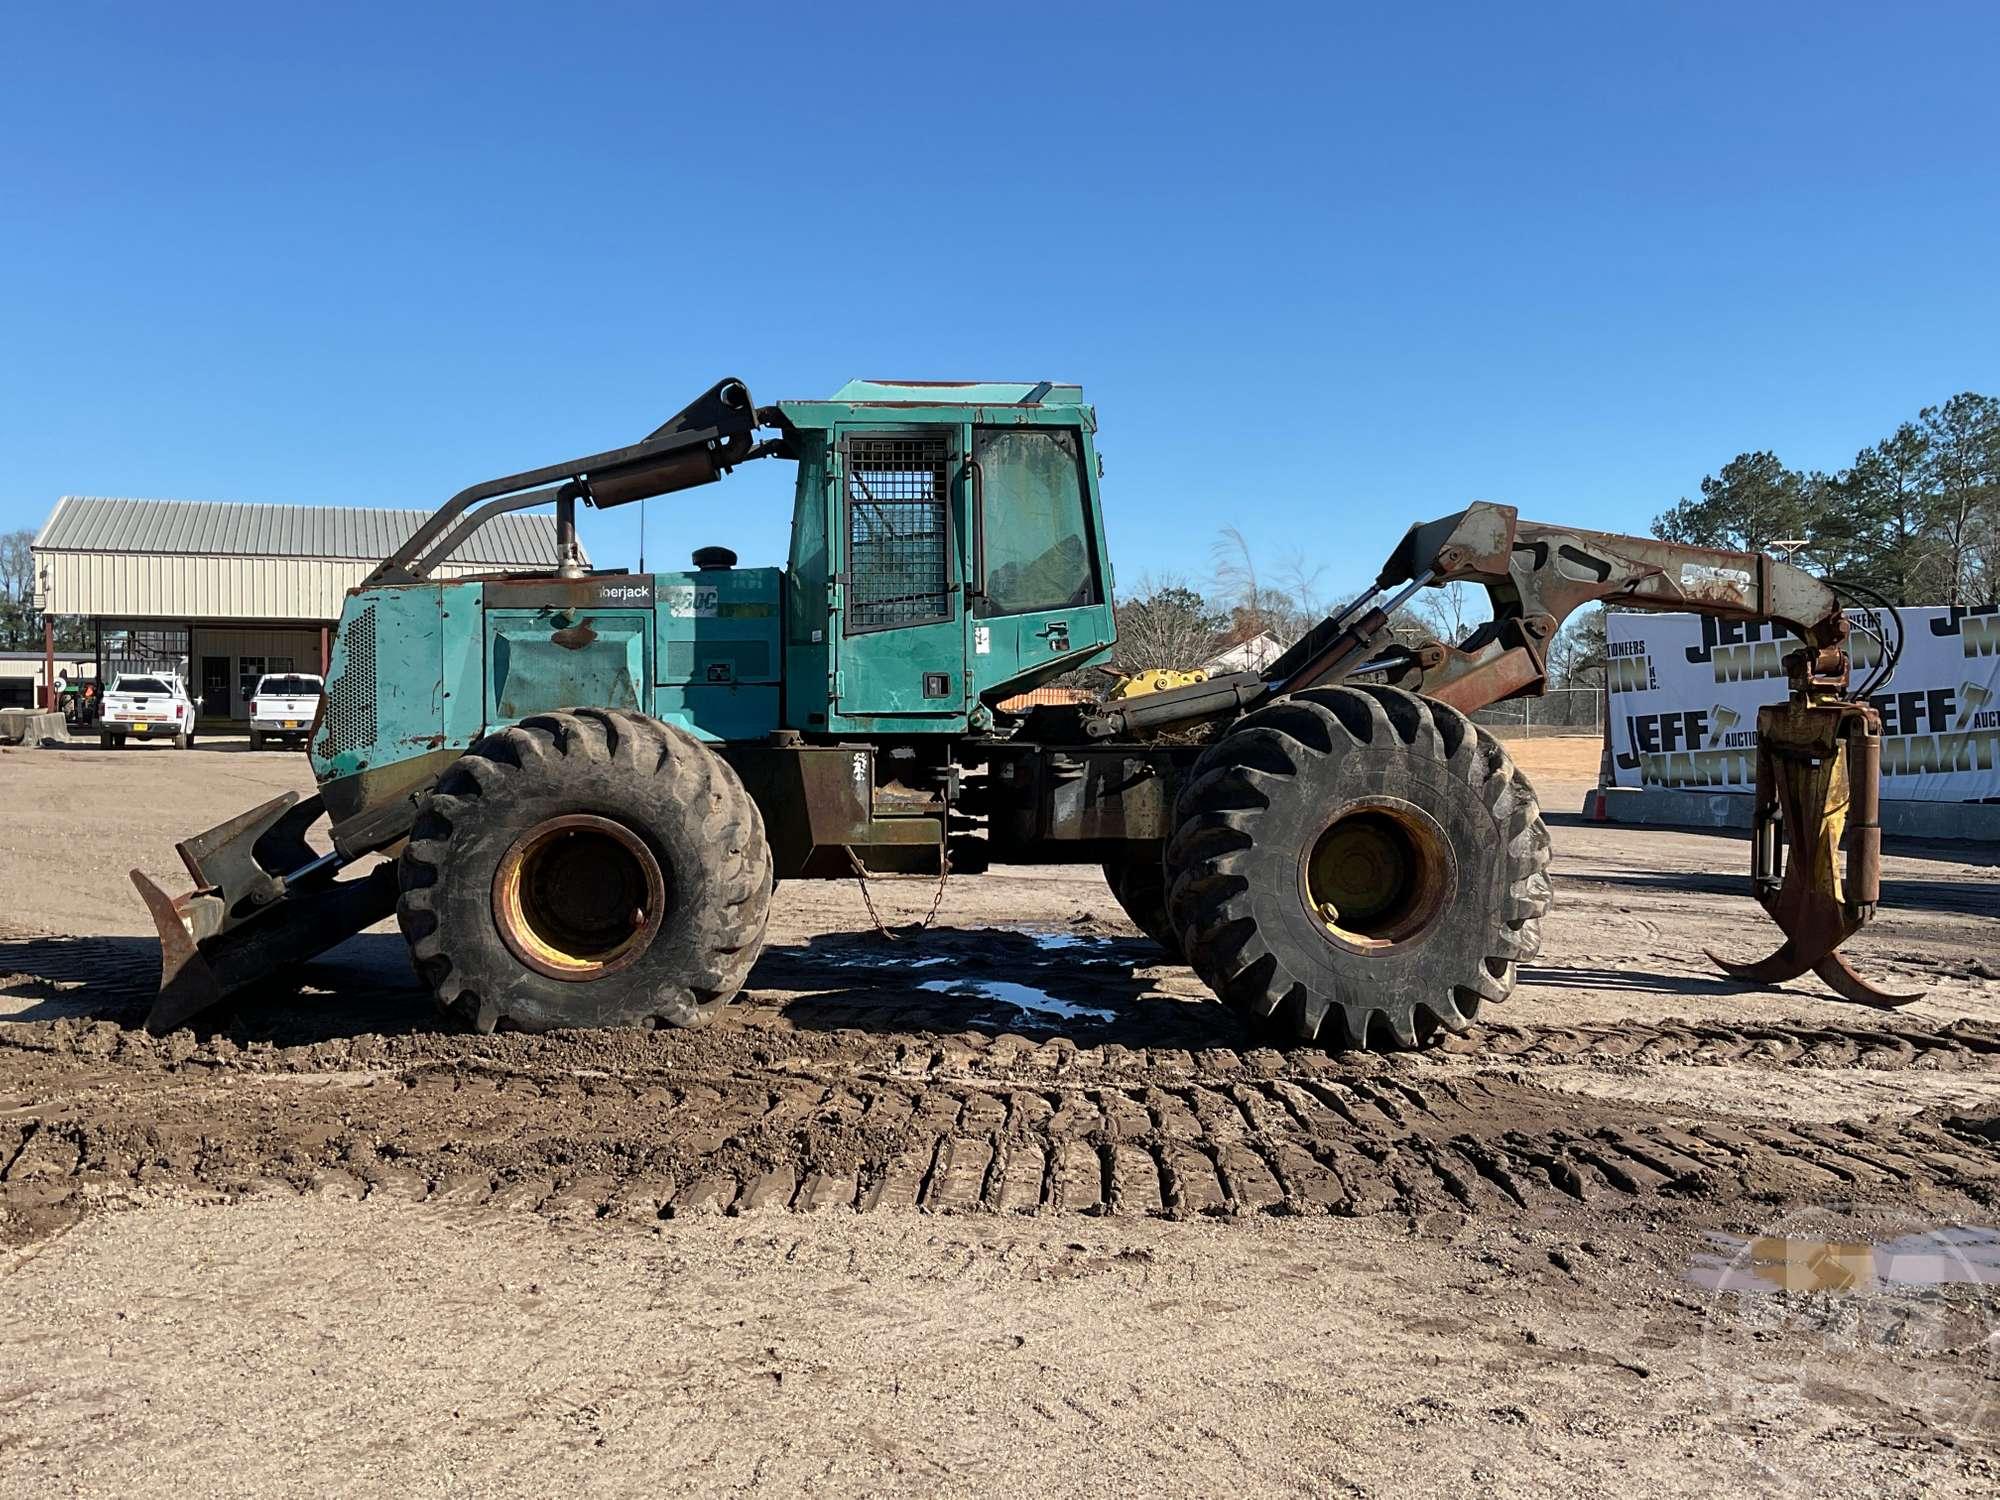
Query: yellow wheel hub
[1378, 875]
[579, 896]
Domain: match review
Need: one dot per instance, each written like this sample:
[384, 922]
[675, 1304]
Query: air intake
[350, 697]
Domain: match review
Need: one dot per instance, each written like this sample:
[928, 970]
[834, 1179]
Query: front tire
[586, 868]
[1358, 866]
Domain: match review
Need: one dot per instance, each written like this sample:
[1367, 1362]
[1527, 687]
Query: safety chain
[937, 897]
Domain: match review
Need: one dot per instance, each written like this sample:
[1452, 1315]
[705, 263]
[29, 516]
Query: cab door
[1038, 594]
[899, 652]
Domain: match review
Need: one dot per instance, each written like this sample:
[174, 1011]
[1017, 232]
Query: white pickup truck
[147, 706]
[284, 706]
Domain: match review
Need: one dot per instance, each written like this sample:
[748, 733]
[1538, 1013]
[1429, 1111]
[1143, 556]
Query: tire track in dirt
[849, 987]
[840, 1084]
[621, 1125]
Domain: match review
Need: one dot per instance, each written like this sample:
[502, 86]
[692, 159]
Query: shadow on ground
[1964, 897]
[1642, 980]
[365, 985]
[1097, 990]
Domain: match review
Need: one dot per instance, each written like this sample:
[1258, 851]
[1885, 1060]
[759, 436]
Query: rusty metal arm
[1535, 577]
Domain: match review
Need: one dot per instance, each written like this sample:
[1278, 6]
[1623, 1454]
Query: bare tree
[1450, 612]
[1284, 604]
[1166, 623]
[1237, 582]
[1577, 654]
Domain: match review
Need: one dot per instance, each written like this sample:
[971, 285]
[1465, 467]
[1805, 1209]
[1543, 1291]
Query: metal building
[224, 592]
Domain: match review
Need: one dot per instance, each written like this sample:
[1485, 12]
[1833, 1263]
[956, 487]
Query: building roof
[222, 528]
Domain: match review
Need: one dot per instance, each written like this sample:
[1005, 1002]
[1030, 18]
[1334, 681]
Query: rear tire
[1139, 883]
[104, 742]
[586, 868]
[183, 740]
[1358, 866]
[256, 739]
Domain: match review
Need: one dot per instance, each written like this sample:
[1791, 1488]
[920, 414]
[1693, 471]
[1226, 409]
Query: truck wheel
[183, 740]
[1358, 866]
[586, 868]
[1139, 882]
[103, 741]
[256, 739]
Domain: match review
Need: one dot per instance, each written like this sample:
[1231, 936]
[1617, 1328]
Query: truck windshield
[140, 685]
[290, 687]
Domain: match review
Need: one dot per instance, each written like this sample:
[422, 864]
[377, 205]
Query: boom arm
[1536, 576]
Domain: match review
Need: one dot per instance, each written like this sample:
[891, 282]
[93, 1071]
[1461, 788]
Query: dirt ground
[1009, 1206]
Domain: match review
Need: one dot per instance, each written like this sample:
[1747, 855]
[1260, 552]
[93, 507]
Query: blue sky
[1324, 271]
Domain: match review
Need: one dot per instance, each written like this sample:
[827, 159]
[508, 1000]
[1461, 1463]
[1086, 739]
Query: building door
[214, 687]
[249, 672]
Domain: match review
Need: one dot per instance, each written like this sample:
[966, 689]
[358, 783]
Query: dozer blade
[1817, 764]
[195, 975]
[187, 984]
[262, 902]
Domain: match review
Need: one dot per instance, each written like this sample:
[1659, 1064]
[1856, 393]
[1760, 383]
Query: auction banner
[1685, 691]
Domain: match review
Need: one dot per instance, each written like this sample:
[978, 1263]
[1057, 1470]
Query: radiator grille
[350, 697]
[897, 491]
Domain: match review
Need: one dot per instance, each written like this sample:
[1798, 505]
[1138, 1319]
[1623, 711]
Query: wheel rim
[1379, 875]
[579, 896]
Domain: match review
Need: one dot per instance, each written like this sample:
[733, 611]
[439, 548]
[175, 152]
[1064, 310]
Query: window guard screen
[898, 529]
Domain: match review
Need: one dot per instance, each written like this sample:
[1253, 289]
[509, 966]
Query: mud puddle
[1031, 1006]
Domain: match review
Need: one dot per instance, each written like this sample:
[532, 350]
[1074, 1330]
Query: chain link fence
[1559, 711]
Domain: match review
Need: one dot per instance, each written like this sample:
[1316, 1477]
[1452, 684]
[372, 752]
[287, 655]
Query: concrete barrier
[32, 726]
[1667, 807]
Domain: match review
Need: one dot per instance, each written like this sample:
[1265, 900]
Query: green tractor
[590, 782]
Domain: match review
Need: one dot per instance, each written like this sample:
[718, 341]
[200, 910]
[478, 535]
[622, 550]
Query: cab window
[1034, 535]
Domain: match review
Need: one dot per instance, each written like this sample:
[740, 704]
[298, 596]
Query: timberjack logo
[1978, 630]
[1631, 669]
